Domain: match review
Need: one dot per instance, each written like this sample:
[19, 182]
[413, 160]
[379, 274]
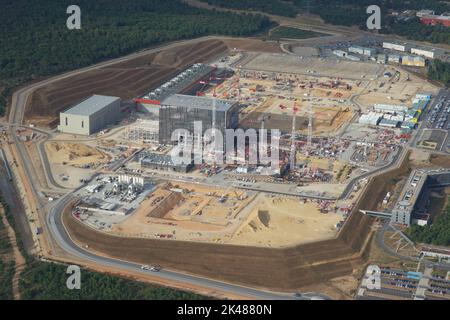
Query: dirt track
[277, 269]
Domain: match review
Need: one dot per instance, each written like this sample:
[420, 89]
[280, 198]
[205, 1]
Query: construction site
[324, 150]
[189, 212]
[339, 122]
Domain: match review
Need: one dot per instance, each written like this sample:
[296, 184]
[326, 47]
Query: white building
[429, 53]
[395, 58]
[372, 118]
[90, 116]
[382, 58]
[396, 46]
[389, 108]
[362, 50]
[131, 179]
[423, 13]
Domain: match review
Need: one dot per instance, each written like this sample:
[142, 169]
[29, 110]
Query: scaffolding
[143, 130]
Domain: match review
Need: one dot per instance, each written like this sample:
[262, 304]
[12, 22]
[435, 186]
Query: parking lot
[438, 115]
[437, 119]
[405, 285]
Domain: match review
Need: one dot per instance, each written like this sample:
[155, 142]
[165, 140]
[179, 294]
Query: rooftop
[206, 103]
[439, 17]
[158, 159]
[91, 105]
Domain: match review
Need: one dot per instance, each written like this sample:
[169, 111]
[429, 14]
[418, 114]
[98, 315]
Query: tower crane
[310, 132]
[293, 147]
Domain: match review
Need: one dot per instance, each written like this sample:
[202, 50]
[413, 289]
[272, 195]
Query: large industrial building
[415, 194]
[150, 103]
[181, 111]
[90, 115]
[428, 53]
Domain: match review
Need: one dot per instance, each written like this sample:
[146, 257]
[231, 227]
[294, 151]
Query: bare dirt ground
[246, 219]
[129, 79]
[197, 214]
[275, 103]
[278, 222]
[442, 161]
[298, 266]
[397, 92]
[76, 154]
[327, 68]
[380, 185]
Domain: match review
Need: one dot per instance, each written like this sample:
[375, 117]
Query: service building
[90, 115]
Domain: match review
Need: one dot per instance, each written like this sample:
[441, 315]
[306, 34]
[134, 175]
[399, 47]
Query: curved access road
[52, 213]
[61, 236]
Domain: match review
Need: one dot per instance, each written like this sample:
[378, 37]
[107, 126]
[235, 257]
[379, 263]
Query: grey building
[181, 111]
[362, 50]
[90, 115]
[157, 161]
[415, 194]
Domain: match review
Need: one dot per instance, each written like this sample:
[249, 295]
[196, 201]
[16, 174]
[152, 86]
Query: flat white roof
[205, 103]
[91, 105]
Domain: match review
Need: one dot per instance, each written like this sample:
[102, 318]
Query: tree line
[47, 281]
[437, 233]
[35, 41]
[353, 13]
[440, 71]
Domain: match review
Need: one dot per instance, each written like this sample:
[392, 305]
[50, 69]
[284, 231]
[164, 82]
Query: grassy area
[439, 273]
[293, 33]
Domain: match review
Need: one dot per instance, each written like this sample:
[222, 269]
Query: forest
[276, 7]
[35, 41]
[47, 281]
[438, 233]
[440, 71]
[353, 13]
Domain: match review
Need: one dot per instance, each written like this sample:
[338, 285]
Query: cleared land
[128, 79]
[397, 90]
[271, 96]
[281, 221]
[277, 269]
[76, 154]
[293, 33]
[189, 212]
[329, 67]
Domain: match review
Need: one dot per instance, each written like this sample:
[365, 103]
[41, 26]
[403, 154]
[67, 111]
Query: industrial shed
[90, 115]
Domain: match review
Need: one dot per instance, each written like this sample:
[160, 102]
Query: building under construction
[182, 111]
[180, 102]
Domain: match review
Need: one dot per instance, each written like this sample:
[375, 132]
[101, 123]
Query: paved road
[59, 233]
[52, 212]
